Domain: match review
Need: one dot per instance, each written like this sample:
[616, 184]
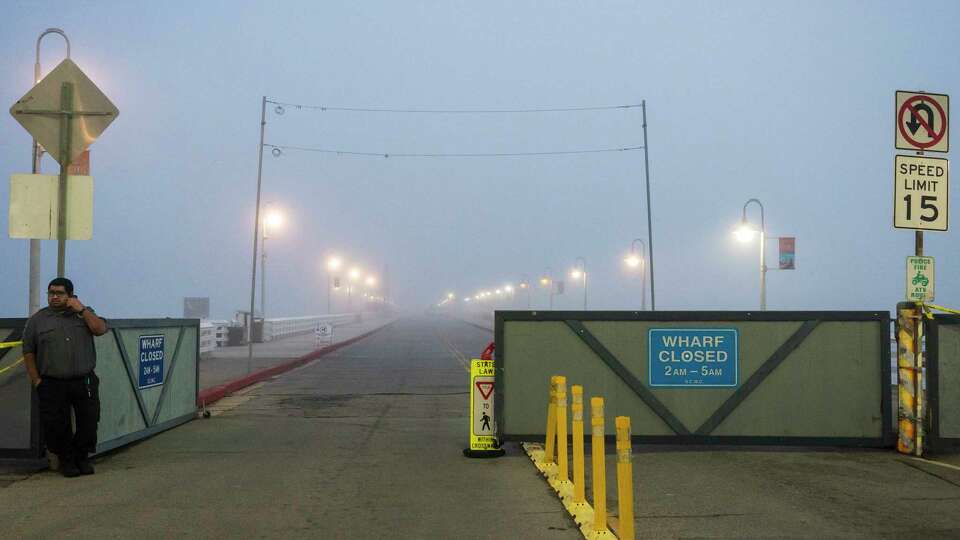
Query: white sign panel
[34, 207]
[922, 121]
[921, 192]
[920, 279]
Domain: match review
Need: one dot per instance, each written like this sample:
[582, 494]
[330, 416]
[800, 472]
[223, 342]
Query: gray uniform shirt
[61, 342]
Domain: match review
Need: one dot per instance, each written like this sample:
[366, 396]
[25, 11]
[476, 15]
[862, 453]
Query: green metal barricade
[810, 378]
[149, 380]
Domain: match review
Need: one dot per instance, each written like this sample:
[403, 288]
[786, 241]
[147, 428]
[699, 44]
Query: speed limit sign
[921, 193]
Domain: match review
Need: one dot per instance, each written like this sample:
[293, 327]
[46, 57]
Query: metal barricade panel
[943, 345]
[803, 378]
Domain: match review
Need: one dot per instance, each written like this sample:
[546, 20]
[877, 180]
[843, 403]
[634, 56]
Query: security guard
[60, 356]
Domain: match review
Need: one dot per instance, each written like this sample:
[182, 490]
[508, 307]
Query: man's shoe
[84, 465]
[69, 469]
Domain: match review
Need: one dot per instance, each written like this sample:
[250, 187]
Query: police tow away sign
[920, 279]
[151, 355]
[694, 357]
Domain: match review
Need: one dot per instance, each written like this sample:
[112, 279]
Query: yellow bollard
[561, 482]
[551, 425]
[599, 529]
[577, 505]
[624, 479]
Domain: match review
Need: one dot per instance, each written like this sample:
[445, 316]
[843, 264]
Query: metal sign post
[65, 113]
[921, 202]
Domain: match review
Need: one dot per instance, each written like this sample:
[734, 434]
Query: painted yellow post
[907, 321]
[551, 423]
[624, 479]
[562, 481]
[579, 493]
[599, 471]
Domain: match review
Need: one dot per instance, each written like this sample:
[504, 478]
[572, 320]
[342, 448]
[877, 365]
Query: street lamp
[580, 271]
[547, 281]
[272, 219]
[353, 276]
[333, 264]
[33, 292]
[525, 285]
[745, 233]
[635, 260]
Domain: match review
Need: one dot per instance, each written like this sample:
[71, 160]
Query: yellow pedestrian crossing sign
[483, 440]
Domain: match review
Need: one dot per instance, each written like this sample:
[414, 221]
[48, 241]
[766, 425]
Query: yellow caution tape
[11, 366]
[929, 308]
[10, 344]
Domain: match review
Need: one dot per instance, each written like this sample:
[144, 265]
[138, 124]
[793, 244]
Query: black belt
[67, 379]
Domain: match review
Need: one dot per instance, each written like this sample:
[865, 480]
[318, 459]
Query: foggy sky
[788, 102]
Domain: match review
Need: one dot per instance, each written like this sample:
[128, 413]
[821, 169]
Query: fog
[791, 103]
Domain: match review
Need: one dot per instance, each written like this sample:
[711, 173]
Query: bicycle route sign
[922, 122]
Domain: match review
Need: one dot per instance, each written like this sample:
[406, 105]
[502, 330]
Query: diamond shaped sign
[40, 111]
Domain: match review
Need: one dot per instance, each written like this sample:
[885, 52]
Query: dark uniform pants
[57, 398]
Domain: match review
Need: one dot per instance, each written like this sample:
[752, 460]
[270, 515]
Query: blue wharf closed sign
[151, 355]
[696, 357]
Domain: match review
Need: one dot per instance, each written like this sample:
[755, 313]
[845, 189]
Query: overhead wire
[321, 108]
[278, 150]
[281, 105]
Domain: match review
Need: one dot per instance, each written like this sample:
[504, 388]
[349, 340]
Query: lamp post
[745, 233]
[581, 272]
[525, 285]
[271, 219]
[353, 276]
[33, 292]
[547, 281]
[636, 259]
[333, 264]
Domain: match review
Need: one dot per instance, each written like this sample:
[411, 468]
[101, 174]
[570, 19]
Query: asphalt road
[366, 443]
[363, 443]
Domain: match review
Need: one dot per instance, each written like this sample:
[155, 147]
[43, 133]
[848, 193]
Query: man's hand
[74, 303]
[37, 381]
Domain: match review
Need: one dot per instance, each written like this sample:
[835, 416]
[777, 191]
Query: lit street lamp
[635, 260]
[525, 285]
[333, 264]
[745, 233]
[353, 276]
[272, 219]
[547, 281]
[580, 271]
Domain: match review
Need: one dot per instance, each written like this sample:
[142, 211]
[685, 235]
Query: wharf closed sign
[694, 357]
[921, 193]
[151, 356]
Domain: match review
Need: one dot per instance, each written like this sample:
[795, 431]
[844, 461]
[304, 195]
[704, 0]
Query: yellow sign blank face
[34, 209]
[32, 111]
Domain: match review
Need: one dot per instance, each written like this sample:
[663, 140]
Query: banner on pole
[788, 253]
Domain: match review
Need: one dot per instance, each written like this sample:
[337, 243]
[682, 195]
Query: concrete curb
[213, 394]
